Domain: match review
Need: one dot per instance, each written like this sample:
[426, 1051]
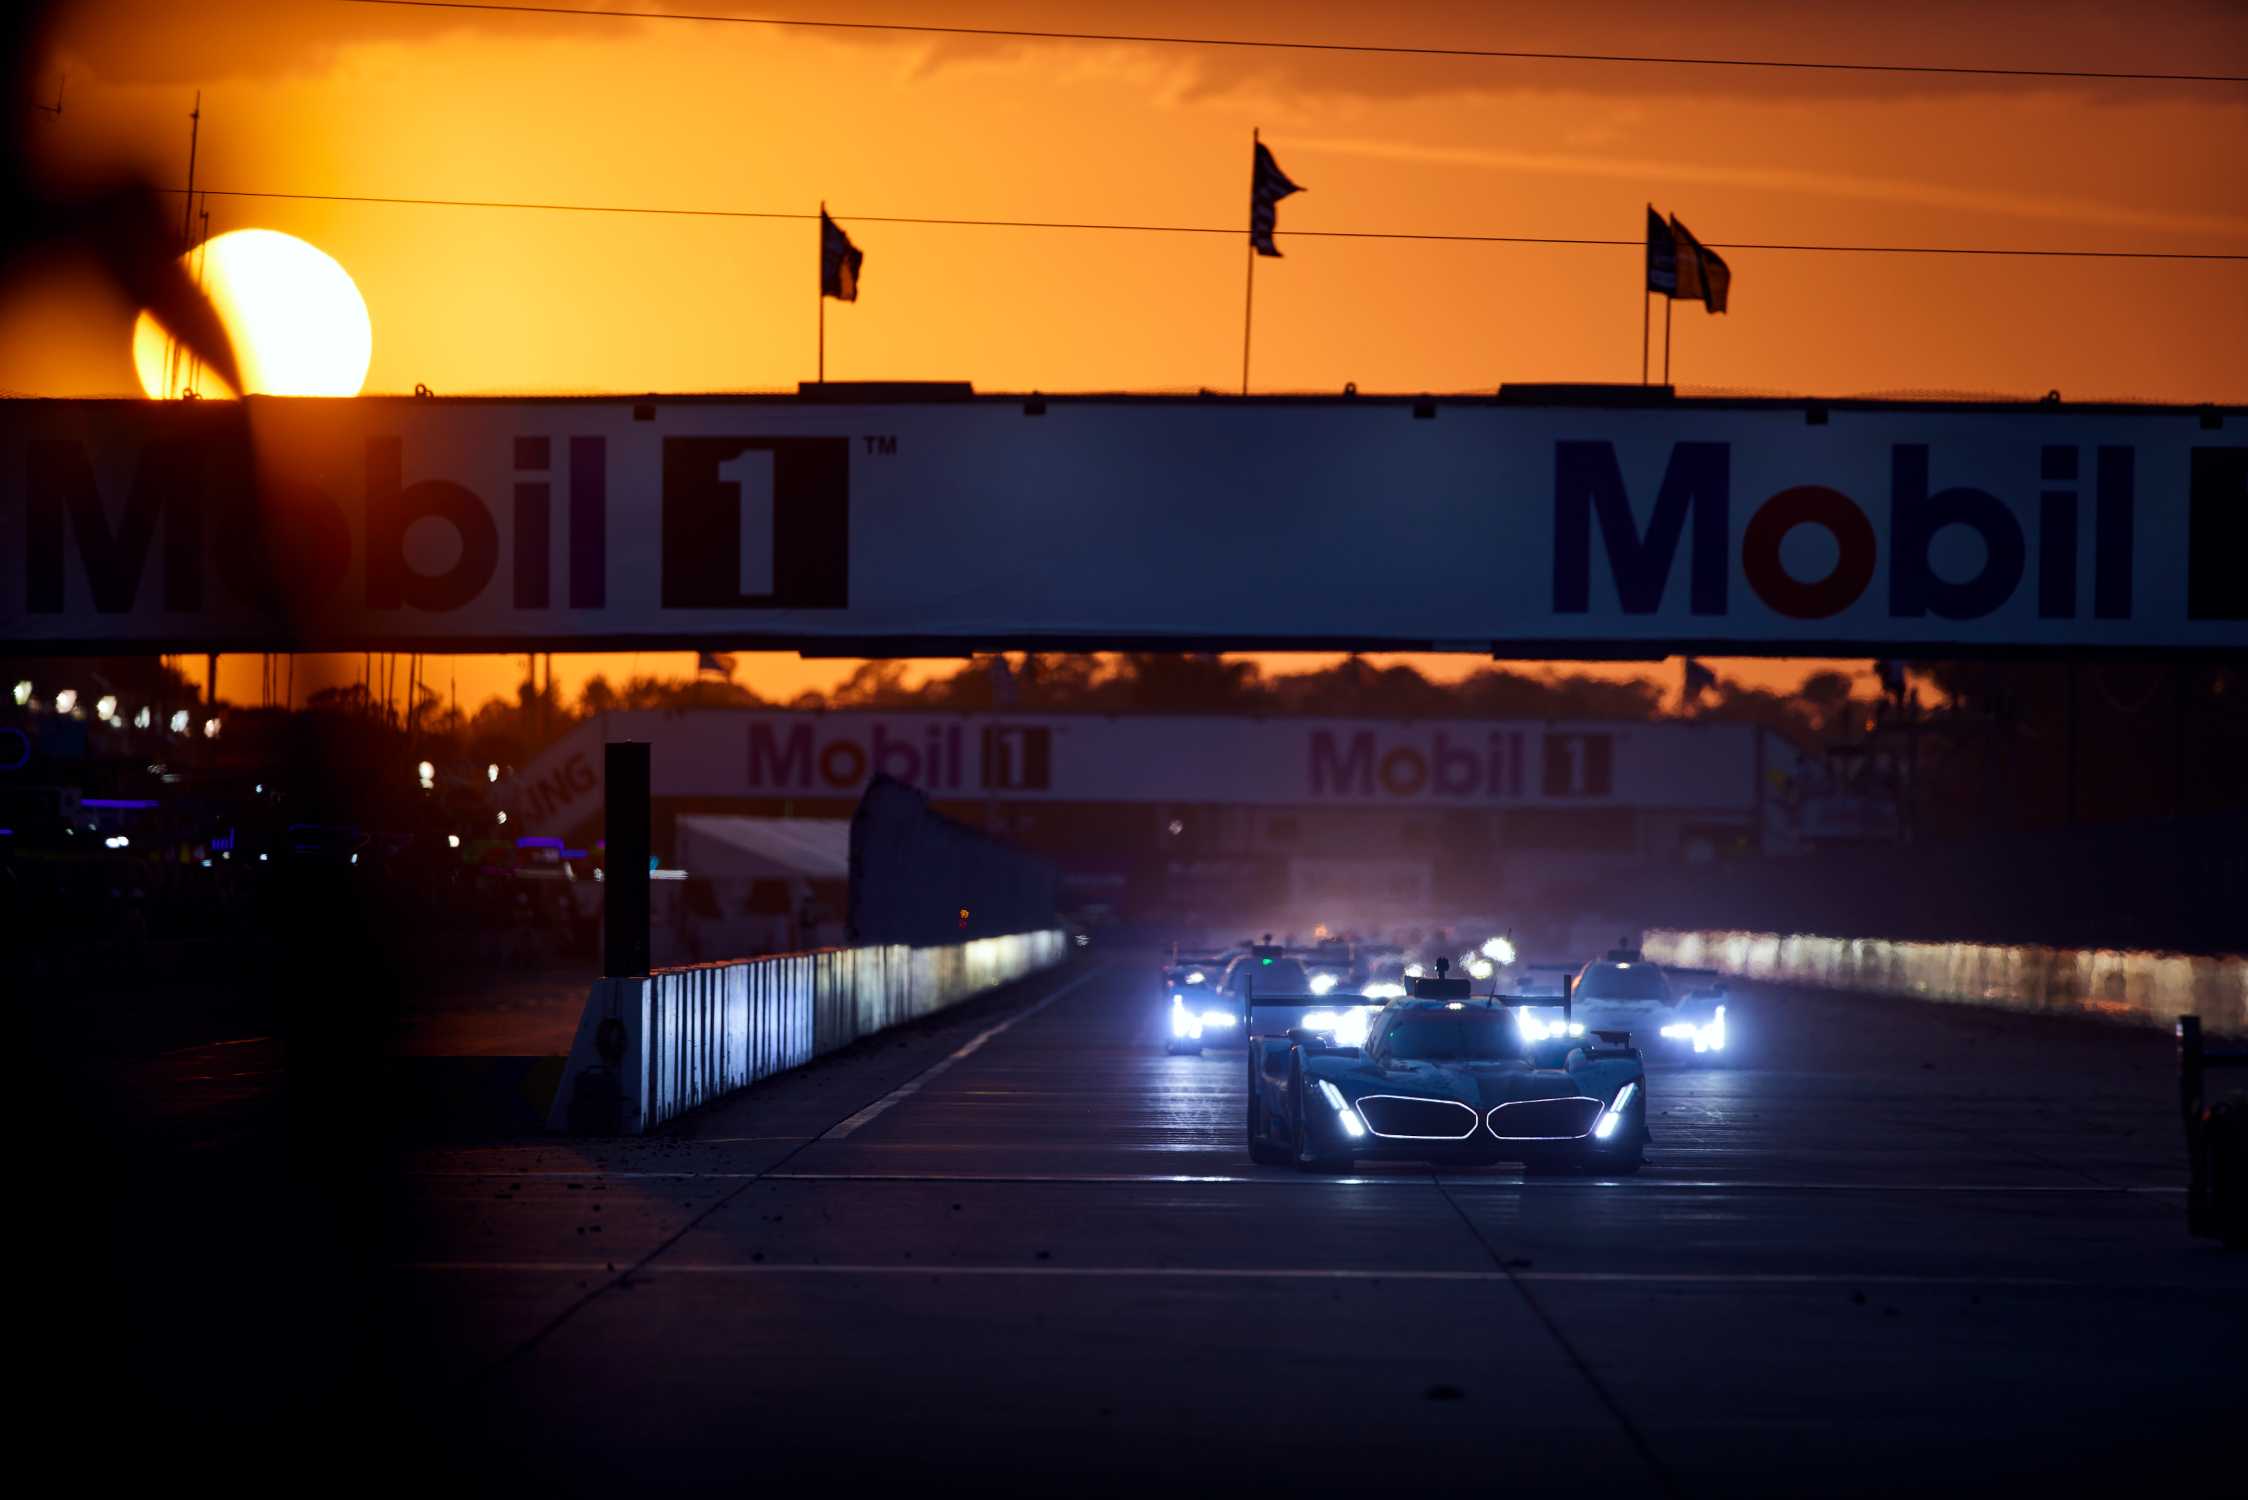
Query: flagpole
[823, 291]
[1667, 301]
[1646, 315]
[1249, 298]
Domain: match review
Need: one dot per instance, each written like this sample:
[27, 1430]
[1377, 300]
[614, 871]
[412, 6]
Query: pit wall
[2138, 988]
[693, 1035]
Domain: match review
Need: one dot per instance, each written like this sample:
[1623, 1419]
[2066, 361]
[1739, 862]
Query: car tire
[1261, 1151]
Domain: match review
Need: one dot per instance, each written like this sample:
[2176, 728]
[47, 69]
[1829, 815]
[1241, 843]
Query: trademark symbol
[886, 446]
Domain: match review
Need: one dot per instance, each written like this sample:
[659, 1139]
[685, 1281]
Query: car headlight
[1480, 968]
[1535, 1029]
[1197, 977]
[1322, 983]
[1320, 1020]
[1184, 1022]
[1351, 1027]
[1345, 1116]
[1709, 1037]
[1499, 951]
[1384, 990]
[1614, 1114]
[1219, 1018]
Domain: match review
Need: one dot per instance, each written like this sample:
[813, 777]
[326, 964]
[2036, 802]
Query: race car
[1199, 1019]
[1441, 1077]
[1194, 974]
[1621, 990]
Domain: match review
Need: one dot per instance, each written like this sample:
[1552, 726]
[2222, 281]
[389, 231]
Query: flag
[1267, 186]
[1703, 275]
[839, 262]
[1662, 255]
[1892, 676]
[712, 661]
[1699, 680]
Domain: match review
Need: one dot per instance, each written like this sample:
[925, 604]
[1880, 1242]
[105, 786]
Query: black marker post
[624, 901]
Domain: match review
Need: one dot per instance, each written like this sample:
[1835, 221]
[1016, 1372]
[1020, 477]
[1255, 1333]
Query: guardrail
[650, 1048]
[2100, 983]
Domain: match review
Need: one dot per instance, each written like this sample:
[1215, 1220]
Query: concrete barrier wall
[2104, 984]
[683, 1037]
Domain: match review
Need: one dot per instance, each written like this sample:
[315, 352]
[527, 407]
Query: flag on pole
[839, 262]
[1662, 255]
[1699, 680]
[713, 661]
[1702, 273]
[1267, 186]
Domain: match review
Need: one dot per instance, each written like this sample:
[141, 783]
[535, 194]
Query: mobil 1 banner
[766, 757]
[995, 522]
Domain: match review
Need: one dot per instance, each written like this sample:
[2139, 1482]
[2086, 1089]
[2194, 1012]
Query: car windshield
[1279, 976]
[1480, 1035]
[1623, 982]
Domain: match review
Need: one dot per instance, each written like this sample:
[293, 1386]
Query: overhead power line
[1267, 44]
[1121, 228]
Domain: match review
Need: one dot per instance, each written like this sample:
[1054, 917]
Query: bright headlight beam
[1498, 950]
[1344, 1114]
[1615, 1112]
[1322, 983]
[1196, 977]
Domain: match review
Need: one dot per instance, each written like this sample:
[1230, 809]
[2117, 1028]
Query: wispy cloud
[2051, 207]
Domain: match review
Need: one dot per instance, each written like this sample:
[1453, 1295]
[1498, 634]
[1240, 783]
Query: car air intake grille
[1545, 1119]
[1416, 1119]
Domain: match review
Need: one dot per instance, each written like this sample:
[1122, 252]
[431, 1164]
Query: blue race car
[1446, 1078]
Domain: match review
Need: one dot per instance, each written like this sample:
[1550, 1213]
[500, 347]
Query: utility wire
[1323, 234]
[1361, 48]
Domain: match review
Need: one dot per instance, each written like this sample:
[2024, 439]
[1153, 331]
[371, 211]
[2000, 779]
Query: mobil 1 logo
[756, 523]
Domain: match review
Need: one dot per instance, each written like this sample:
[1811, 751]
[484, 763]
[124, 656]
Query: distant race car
[1440, 1077]
[1198, 1019]
[1621, 990]
[1196, 972]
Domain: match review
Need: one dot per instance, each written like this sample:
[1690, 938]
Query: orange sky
[322, 97]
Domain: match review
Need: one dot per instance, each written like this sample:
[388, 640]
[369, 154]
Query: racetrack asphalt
[1885, 1245]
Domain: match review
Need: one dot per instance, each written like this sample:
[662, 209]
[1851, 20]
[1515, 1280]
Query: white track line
[1290, 1180]
[1292, 1273]
[912, 1086]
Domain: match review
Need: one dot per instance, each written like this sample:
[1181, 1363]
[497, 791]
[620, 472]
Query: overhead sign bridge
[1560, 522]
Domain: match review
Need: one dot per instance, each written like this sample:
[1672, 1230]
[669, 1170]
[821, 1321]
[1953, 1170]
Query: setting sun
[299, 325]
